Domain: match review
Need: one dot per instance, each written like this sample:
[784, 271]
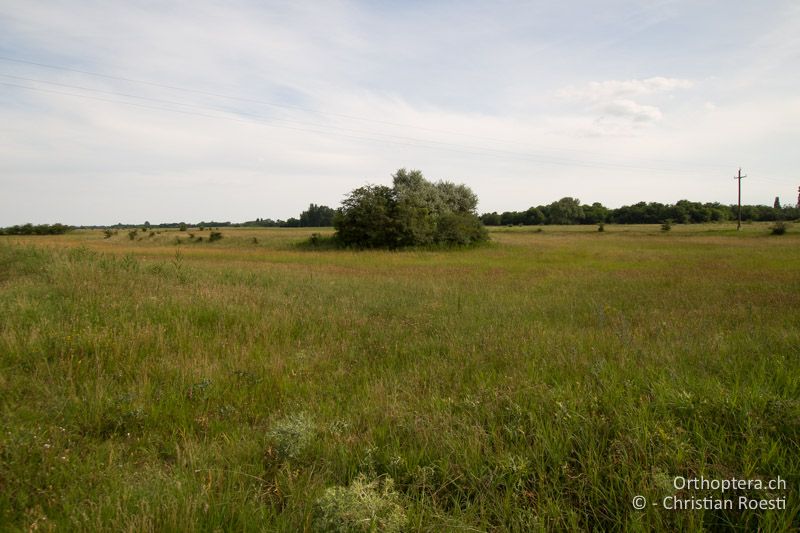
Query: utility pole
[739, 177]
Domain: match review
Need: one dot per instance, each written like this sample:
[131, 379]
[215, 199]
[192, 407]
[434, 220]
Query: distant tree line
[565, 211]
[164, 225]
[316, 216]
[40, 229]
[570, 211]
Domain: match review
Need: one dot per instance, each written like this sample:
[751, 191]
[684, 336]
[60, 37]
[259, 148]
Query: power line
[195, 106]
[321, 113]
[232, 97]
[272, 119]
[315, 127]
[782, 181]
[183, 112]
[254, 119]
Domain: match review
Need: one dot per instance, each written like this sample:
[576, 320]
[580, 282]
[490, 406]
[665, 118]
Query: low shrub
[361, 506]
[779, 228]
[291, 435]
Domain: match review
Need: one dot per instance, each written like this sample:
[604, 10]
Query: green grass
[536, 383]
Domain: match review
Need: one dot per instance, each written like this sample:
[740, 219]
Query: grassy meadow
[539, 382]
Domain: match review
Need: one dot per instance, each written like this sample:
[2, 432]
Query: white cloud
[616, 104]
[603, 91]
[629, 109]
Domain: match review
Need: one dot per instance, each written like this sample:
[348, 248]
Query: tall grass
[539, 383]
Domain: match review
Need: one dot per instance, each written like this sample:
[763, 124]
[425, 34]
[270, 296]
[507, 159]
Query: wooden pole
[739, 177]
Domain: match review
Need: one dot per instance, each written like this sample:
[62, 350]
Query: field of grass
[540, 382]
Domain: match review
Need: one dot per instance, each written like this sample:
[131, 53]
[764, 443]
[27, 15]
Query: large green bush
[413, 212]
[458, 228]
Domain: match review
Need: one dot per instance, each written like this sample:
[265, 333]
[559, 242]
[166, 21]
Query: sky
[133, 111]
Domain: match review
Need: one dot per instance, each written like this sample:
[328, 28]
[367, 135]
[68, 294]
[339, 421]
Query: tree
[510, 218]
[368, 218]
[317, 216]
[777, 204]
[565, 211]
[533, 217]
[594, 213]
[413, 212]
[458, 228]
[40, 229]
[456, 198]
[491, 219]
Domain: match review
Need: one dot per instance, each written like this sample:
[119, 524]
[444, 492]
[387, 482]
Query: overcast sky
[126, 111]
